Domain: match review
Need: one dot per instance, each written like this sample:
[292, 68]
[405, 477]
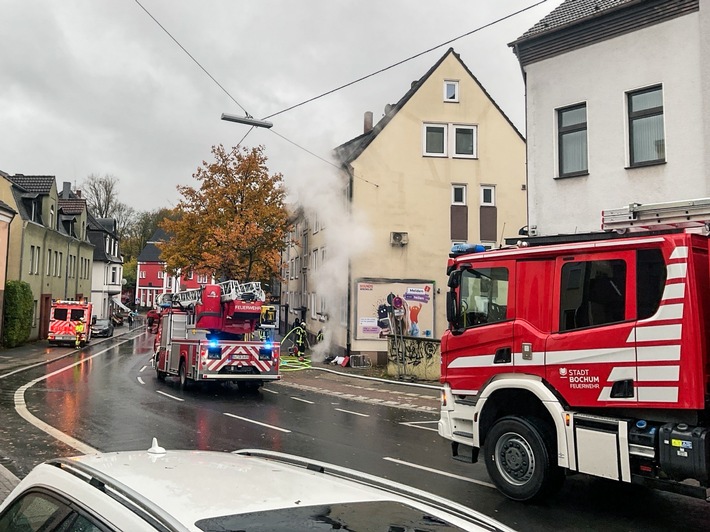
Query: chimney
[368, 122]
[66, 190]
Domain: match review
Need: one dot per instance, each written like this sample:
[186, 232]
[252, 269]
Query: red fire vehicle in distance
[63, 318]
[584, 354]
[206, 335]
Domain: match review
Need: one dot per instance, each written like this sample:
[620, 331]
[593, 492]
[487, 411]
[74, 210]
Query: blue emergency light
[462, 249]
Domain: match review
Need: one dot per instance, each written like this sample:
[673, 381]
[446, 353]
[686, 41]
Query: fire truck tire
[184, 380]
[519, 456]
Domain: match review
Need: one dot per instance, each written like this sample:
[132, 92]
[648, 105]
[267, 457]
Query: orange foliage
[234, 226]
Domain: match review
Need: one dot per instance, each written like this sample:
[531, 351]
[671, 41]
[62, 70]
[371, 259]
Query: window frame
[445, 128]
[491, 203]
[474, 131]
[455, 84]
[632, 116]
[567, 130]
[454, 188]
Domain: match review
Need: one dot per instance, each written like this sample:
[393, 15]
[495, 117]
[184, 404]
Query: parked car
[251, 490]
[102, 327]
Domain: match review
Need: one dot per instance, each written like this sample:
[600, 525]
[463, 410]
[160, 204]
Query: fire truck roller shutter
[208, 315]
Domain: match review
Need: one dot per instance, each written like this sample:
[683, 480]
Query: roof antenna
[500, 242]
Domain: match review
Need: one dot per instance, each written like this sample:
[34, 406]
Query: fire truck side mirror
[451, 309]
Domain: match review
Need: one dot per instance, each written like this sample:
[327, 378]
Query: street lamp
[248, 120]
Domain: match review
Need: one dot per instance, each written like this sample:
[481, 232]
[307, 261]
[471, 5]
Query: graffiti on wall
[414, 357]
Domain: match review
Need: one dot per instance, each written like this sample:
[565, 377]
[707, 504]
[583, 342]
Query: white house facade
[616, 92]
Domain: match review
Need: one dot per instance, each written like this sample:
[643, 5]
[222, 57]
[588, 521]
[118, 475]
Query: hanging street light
[248, 120]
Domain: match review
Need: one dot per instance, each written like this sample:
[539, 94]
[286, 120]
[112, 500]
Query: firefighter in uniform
[301, 340]
[79, 329]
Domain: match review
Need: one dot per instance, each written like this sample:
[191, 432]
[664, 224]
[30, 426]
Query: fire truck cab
[583, 354]
[205, 335]
[63, 318]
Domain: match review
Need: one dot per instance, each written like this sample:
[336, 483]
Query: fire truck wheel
[184, 381]
[519, 455]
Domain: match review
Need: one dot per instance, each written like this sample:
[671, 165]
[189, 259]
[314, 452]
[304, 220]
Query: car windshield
[102, 323]
[374, 516]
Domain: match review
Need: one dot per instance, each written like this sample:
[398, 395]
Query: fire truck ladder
[231, 291]
[658, 216]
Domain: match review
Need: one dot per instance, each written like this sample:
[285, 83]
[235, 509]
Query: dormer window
[51, 217]
[451, 91]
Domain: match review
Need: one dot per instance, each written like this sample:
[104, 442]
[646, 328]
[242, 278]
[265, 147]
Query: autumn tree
[234, 225]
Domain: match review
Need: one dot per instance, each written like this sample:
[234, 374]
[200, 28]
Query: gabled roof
[150, 253]
[40, 184]
[575, 24]
[572, 11]
[158, 236]
[72, 206]
[351, 150]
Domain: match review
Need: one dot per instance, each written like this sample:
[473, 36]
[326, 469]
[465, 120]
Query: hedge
[18, 307]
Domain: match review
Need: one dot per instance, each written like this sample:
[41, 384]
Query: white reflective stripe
[658, 373]
[464, 392]
[658, 352]
[658, 332]
[588, 356]
[673, 291]
[477, 361]
[673, 311]
[677, 270]
[659, 394]
[681, 252]
[605, 395]
[538, 359]
[621, 374]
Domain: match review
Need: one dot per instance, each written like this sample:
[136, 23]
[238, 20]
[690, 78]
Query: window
[189, 276]
[32, 259]
[202, 279]
[161, 275]
[38, 257]
[484, 296]
[51, 217]
[55, 271]
[572, 140]
[143, 274]
[646, 137]
[114, 273]
[465, 141]
[61, 260]
[49, 262]
[488, 196]
[451, 91]
[592, 293]
[458, 194]
[435, 140]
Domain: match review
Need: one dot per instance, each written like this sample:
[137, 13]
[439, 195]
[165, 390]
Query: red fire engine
[584, 354]
[64, 316]
[205, 335]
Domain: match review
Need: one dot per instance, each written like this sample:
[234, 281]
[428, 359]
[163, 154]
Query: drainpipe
[348, 332]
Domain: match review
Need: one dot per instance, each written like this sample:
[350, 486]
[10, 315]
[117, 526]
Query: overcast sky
[96, 86]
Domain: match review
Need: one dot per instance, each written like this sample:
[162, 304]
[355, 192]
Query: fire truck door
[590, 356]
[484, 334]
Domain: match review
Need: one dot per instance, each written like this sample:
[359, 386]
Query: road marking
[140, 380]
[302, 400]
[21, 405]
[416, 424]
[439, 472]
[270, 391]
[170, 396]
[355, 413]
[142, 369]
[255, 422]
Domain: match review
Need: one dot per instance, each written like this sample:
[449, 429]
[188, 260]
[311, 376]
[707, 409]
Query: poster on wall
[379, 302]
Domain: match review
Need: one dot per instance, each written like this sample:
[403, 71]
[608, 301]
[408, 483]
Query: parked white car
[250, 490]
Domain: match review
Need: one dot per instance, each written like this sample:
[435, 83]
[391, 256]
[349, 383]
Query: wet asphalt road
[112, 401]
